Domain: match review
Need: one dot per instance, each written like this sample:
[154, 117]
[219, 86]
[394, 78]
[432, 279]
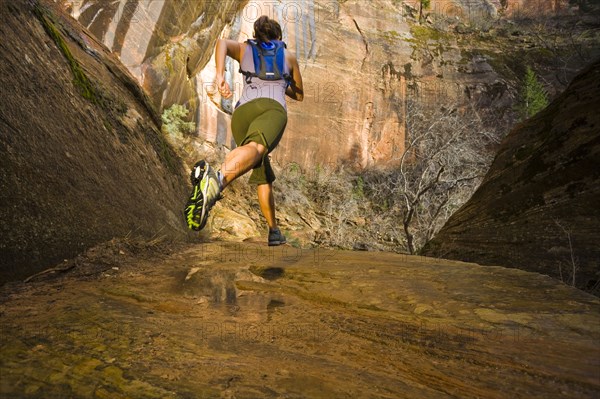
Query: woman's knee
[260, 148]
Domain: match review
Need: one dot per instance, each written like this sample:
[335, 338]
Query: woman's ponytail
[266, 29]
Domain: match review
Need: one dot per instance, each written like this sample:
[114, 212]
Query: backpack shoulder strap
[280, 60]
[247, 74]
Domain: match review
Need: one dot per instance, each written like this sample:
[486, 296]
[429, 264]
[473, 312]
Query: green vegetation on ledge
[79, 77]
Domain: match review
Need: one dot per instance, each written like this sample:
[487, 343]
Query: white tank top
[258, 88]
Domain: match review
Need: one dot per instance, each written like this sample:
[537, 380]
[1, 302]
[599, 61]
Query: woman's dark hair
[266, 29]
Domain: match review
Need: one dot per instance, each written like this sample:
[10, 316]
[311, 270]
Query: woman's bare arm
[295, 89]
[224, 48]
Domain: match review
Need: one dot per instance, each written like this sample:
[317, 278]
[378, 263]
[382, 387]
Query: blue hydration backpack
[269, 61]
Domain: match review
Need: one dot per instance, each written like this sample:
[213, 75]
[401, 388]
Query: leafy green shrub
[174, 123]
[359, 188]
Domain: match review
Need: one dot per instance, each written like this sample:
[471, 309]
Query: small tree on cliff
[423, 4]
[533, 96]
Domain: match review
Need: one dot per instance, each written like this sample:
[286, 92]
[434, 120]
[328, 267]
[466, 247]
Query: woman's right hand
[223, 87]
[225, 48]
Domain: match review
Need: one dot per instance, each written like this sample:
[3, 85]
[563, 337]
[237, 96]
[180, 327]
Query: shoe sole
[197, 200]
[275, 243]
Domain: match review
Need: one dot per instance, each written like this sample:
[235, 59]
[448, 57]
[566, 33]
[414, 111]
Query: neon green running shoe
[206, 191]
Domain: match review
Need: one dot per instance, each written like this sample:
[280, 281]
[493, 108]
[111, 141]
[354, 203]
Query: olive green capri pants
[262, 121]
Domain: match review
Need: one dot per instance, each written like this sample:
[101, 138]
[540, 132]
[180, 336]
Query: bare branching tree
[447, 153]
[569, 44]
[448, 150]
[570, 260]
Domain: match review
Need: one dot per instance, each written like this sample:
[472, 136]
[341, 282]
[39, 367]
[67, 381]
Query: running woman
[258, 123]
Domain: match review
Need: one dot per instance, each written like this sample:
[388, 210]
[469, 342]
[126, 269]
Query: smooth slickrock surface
[246, 321]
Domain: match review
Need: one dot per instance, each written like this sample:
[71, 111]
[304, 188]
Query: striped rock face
[354, 75]
[360, 60]
[168, 46]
